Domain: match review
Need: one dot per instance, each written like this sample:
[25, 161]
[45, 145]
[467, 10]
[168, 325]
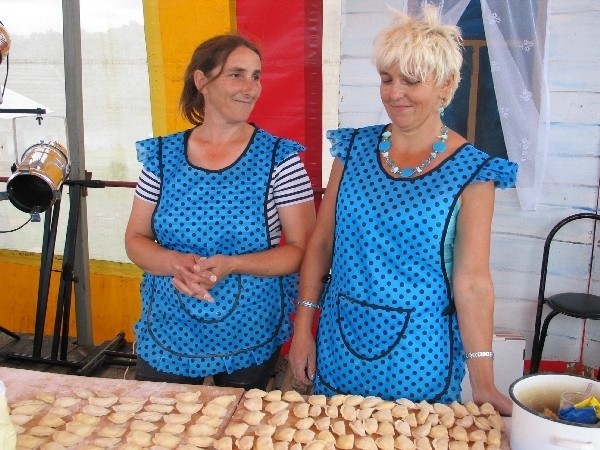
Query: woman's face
[410, 103]
[233, 93]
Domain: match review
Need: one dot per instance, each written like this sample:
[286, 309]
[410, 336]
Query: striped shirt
[289, 185]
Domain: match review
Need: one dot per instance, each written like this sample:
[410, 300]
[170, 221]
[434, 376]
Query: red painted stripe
[289, 35]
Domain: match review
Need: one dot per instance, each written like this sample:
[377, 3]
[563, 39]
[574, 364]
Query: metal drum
[35, 184]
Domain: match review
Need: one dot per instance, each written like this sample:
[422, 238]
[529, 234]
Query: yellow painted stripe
[114, 292]
[174, 28]
[99, 267]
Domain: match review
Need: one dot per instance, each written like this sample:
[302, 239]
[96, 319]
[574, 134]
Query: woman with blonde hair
[404, 232]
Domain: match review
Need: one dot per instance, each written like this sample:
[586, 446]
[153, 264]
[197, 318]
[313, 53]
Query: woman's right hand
[190, 282]
[302, 357]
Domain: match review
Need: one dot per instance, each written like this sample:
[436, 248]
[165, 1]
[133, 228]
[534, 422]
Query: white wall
[572, 177]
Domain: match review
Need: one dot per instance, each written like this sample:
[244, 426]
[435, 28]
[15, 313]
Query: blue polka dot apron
[206, 213]
[388, 326]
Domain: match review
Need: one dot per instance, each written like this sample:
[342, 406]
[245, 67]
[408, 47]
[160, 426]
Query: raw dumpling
[142, 426]
[188, 408]
[128, 407]
[385, 442]
[125, 400]
[211, 421]
[45, 397]
[95, 410]
[103, 401]
[159, 407]
[276, 406]
[319, 400]
[225, 443]
[177, 418]
[20, 419]
[201, 441]
[86, 418]
[212, 409]
[365, 443]
[265, 430]
[83, 393]
[172, 428]
[201, 429]
[279, 418]
[112, 431]
[254, 404]
[163, 400]
[59, 411]
[66, 402]
[253, 417]
[273, 396]
[149, 416]
[301, 410]
[29, 410]
[67, 438]
[188, 397]
[285, 434]
[245, 443]
[255, 393]
[345, 441]
[80, 429]
[316, 445]
[304, 436]
[51, 420]
[292, 397]
[236, 429]
[120, 417]
[263, 443]
[223, 400]
[41, 430]
[166, 440]
[140, 438]
[29, 441]
[106, 442]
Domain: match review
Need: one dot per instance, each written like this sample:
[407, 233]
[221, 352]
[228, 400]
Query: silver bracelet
[308, 304]
[479, 355]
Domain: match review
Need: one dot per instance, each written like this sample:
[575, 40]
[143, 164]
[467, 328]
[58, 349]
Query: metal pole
[74, 98]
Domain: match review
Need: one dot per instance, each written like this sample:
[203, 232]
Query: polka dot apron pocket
[370, 331]
[239, 320]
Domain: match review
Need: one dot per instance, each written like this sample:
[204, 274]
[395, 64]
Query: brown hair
[207, 56]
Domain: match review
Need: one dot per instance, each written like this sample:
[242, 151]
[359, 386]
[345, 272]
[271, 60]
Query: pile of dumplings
[259, 420]
[278, 421]
[97, 420]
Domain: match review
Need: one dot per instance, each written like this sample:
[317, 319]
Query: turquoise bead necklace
[386, 144]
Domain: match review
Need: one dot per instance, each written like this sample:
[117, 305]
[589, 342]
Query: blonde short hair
[421, 47]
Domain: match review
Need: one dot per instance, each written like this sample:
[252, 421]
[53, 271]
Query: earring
[442, 108]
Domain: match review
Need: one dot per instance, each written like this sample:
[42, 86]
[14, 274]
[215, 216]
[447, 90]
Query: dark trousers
[250, 377]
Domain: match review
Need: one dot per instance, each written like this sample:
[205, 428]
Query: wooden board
[24, 385]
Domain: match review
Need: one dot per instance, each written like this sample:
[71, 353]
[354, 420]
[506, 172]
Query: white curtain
[516, 32]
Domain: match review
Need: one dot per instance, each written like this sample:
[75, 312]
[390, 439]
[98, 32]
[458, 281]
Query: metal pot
[532, 430]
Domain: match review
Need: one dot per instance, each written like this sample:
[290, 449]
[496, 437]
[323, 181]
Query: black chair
[574, 304]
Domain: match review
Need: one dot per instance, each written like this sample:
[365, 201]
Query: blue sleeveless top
[209, 212]
[388, 326]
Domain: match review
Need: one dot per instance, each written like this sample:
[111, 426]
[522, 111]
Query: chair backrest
[549, 239]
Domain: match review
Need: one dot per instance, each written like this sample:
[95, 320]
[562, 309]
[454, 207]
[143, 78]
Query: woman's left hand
[214, 268]
[501, 402]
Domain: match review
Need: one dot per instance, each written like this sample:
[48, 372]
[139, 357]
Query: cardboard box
[509, 355]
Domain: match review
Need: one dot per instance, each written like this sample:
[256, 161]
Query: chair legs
[538, 343]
